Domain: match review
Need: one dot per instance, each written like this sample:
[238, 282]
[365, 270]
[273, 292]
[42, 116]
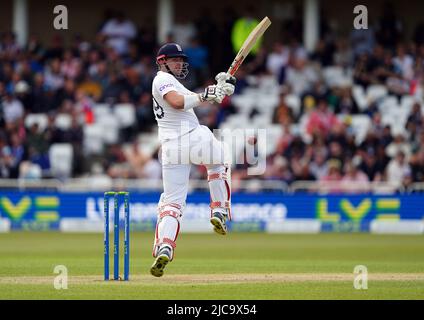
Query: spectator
[136, 159]
[242, 28]
[39, 89]
[198, 56]
[389, 27]
[417, 166]
[354, 180]
[278, 60]
[362, 71]
[398, 145]
[152, 169]
[404, 63]
[56, 49]
[23, 94]
[370, 167]
[397, 169]
[322, 119]
[8, 46]
[300, 76]
[70, 66]
[119, 31]
[343, 55]
[319, 166]
[6, 159]
[183, 31]
[13, 109]
[323, 53]
[331, 181]
[386, 137]
[283, 114]
[17, 155]
[54, 79]
[279, 170]
[362, 41]
[345, 103]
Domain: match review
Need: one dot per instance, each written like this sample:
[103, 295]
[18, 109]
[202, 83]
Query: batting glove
[224, 77]
[213, 93]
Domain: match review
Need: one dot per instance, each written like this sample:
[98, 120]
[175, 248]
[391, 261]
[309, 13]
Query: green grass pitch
[208, 266]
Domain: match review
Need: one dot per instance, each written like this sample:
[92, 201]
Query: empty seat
[387, 103]
[360, 97]
[110, 127]
[376, 92]
[293, 101]
[61, 159]
[63, 121]
[101, 109]
[93, 139]
[361, 125]
[125, 113]
[261, 121]
[273, 134]
[337, 77]
[267, 102]
[41, 119]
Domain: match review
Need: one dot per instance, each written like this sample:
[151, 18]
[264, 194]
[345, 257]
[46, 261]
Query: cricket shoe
[162, 259]
[218, 221]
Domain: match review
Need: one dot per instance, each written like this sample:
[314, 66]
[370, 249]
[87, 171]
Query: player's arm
[181, 101]
[215, 93]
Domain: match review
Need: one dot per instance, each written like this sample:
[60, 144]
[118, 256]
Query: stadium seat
[110, 127]
[360, 97]
[293, 101]
[407, 102]
[337, 77]
[236, 121]
[41, 119]
[101, 109]
[273, 133]
[389, 102]
[261, 121]
[245, 102]
[267, 102]
[361, 125]
[376, 92]
[61, 159]
[125, 113]
[269, 85]
[148, 143]
[93, 139]
[63, 121]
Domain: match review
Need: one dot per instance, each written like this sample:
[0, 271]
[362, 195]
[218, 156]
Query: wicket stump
[116, 227]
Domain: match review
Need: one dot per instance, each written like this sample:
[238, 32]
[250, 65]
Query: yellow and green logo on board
[40, 208]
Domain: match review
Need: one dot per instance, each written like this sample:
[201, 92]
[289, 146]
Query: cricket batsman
[173, 107]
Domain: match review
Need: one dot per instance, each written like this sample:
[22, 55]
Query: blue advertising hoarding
[250, 212]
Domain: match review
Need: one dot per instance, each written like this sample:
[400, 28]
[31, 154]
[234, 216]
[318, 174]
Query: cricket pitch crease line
[216, 278]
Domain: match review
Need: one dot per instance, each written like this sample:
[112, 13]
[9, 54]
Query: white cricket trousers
[199, 147]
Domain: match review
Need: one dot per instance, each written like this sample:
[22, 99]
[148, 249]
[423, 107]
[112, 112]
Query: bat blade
[249, 44]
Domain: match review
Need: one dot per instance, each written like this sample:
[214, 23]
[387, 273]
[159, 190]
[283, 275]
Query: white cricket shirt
[172, 122]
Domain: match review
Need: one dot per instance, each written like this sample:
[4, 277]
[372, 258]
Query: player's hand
[228, 89]
[227, 82]
[224, 77]
[213, 93]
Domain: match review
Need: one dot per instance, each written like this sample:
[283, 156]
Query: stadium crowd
[119, 66]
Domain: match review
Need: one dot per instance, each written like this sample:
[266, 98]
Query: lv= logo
[43, 207]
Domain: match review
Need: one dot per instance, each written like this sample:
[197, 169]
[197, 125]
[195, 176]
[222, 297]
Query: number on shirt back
[158, 110]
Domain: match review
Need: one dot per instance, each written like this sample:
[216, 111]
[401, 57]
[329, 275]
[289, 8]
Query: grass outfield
[207, 266]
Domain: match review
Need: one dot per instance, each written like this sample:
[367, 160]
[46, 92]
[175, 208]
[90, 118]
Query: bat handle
[232, 80]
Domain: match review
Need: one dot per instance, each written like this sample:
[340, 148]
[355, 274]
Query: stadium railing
[91, 184]
[325, 187]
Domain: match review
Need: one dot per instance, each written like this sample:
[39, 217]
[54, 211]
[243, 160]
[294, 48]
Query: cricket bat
[248, 45]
